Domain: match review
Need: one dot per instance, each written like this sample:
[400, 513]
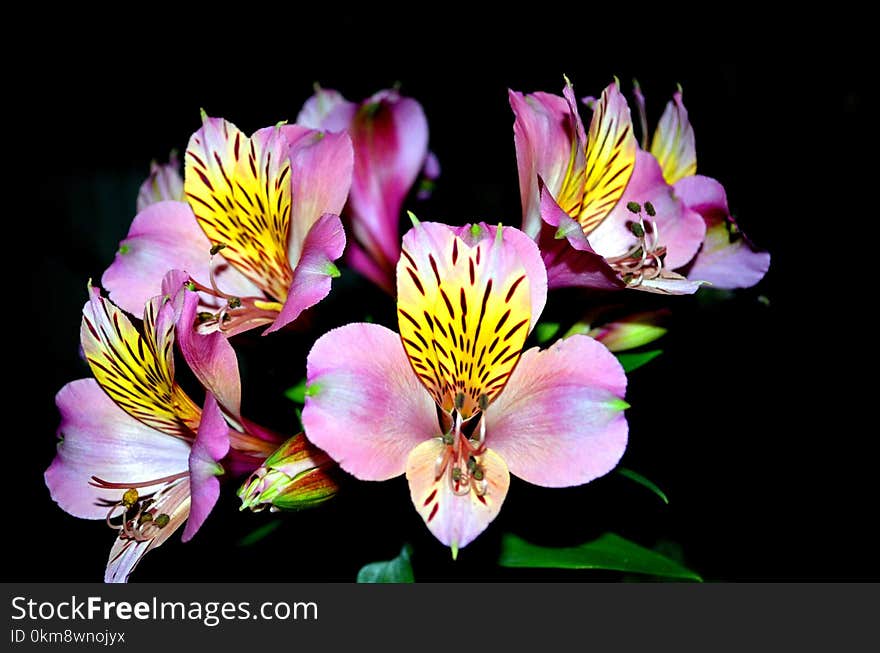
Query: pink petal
[100, 439]
[560, 420]
[162, 237]
[567, 253]
[210, 357]
[211, 445]
[312, 275]
[430, 173]
[327, 110]
[724, 261]
[124, 557]
[364, 405]
[359, 260]
[320, 180]
[543, 135]
[390, 138]
[454, 520]
[681, 230]
[164, 183]
[643, 114]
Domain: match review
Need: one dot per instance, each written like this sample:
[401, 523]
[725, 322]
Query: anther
[649, 209]
[216, 248]
[483, 401]
[448, 438]
[634, 207]
[130, 497]
[161, 520]
[145, 518]
[456, 474]
[637, 229]
[234, 302]
[459, 401]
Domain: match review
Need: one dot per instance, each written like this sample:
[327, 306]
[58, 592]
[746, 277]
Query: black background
[749, 421]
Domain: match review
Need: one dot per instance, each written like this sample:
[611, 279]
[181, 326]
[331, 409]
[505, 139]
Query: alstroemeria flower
[452, 400]
[727, 258]
[135, 449]
[390, 138]
[576, 185]
[164, 183]
[259, 230]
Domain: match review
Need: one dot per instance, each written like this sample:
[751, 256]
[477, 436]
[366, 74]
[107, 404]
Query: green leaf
[641, 480]
[633, 361]
[546, 330]
[297, 393]
[398, 570]
[608, 551]
[259, 533]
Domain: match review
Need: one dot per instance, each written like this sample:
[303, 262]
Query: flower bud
[298, 475]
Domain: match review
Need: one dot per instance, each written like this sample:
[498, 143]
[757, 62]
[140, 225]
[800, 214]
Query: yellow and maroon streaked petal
[455, 520]
[611, 154]
[134, 370]
[464, 311]
[673, 144]
[239, 190]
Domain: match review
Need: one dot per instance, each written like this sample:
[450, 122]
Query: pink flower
[727, 259]
[390, 138]
[452, 400]
[577, 190]
[135, 449]
[259, 230]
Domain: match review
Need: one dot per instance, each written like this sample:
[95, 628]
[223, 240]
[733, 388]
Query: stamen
[130, 497]
[644, 259]
[440, 463]
[109, 518]
[107, 485]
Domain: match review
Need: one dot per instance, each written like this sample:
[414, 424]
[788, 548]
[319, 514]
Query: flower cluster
[249, 236]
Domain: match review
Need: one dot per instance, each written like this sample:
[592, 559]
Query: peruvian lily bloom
[576, 186]
[390, 138]
[135, 449]
[452, 400]
[727, 258]
[259, 230]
